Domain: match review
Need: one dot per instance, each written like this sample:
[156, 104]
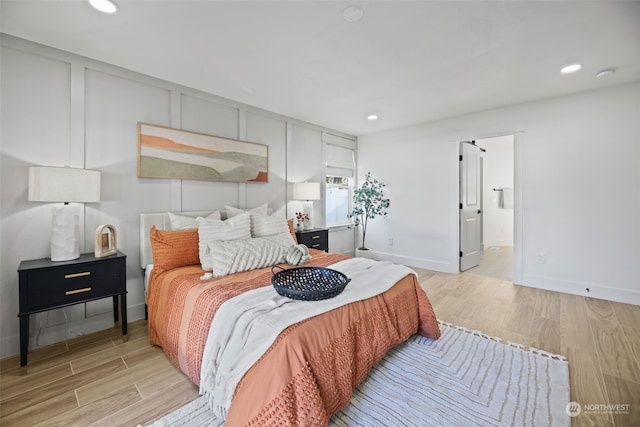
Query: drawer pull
[77, 291]
[315, 237]
[317, 245]
[71, 276]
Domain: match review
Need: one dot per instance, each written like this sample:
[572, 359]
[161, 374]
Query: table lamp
[307, 191]
[64, 184]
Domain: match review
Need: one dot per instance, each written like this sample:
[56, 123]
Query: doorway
[495, 219]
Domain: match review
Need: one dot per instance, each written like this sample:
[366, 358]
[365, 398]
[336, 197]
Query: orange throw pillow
[174, 248]
[292, 231]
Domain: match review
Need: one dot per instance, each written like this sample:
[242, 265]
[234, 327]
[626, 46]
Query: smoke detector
[352, 13]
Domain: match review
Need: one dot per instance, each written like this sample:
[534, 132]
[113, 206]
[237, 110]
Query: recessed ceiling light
[372, 117]
[106, 6]
[570, 68]
[606, 72]
[352, 13]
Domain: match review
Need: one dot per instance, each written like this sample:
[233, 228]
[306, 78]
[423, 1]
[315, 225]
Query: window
[338, 199]
[340, 166]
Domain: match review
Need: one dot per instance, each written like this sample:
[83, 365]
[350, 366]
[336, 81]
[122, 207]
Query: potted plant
[368, 203]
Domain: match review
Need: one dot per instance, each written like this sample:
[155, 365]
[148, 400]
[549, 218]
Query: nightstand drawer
[61, 286]
[315, 239]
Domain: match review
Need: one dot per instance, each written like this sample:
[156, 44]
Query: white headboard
[161, 221]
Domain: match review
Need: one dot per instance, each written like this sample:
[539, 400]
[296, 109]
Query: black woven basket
[308, 283]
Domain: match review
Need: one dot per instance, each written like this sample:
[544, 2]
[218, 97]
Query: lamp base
[307, 208]
[65, 233]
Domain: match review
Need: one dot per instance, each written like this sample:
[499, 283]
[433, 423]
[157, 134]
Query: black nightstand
[316, 238]
[47, 285]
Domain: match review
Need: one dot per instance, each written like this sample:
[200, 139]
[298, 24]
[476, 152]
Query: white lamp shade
[53, 184]
[306, 191]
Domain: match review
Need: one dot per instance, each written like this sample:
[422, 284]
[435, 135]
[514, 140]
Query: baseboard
[595, 290]
[428, 264]
[584, 289]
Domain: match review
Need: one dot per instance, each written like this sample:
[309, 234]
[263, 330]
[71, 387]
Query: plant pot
[364, 253]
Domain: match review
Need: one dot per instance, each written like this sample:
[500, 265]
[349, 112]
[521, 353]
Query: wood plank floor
[99, 380]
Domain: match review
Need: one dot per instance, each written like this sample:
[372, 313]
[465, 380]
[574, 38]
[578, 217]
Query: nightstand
[316, 238]
[47, 285]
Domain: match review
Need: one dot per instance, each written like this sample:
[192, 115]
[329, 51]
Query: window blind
[340, 158]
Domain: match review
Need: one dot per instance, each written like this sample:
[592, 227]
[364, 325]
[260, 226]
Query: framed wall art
[165, 152]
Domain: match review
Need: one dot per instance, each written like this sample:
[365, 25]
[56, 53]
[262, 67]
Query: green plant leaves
[368, 203]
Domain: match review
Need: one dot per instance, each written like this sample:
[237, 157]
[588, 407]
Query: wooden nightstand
[316, 238]
[47, 285]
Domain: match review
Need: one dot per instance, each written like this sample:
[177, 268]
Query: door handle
[479, 211]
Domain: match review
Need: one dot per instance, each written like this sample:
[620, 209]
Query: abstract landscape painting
[173, 153]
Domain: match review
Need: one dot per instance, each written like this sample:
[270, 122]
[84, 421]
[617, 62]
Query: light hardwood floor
[496, 261]
[98, 380]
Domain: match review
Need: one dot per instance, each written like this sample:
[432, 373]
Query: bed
[260, 358]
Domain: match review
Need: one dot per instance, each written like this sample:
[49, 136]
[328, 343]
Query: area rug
[464, 378]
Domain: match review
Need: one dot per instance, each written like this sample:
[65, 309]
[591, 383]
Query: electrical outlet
[390, 241]
[542, 258]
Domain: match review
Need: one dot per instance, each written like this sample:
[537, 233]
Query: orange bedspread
[181, 307]
[309, 372]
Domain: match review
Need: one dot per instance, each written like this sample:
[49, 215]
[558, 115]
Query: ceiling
[406, 61]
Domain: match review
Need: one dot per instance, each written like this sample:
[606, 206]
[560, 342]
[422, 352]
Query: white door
[470, 205]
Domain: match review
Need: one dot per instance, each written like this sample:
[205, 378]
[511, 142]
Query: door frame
[519, 149]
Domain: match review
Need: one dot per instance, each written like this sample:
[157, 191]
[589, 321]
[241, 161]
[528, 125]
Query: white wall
[498, 161]
[578, 175]
[61, 109]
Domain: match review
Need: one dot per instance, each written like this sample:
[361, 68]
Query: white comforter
[244, 327]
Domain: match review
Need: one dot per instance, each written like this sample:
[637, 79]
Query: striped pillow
[211, 230]
[264, 225]
[230, 257]
[173, 248]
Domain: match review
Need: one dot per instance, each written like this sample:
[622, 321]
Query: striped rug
[465, 378]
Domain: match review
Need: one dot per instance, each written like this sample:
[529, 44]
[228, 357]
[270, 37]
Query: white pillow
[229, 257]
[182, 222]
[268, 225]
[211, 230]
[231, 211]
